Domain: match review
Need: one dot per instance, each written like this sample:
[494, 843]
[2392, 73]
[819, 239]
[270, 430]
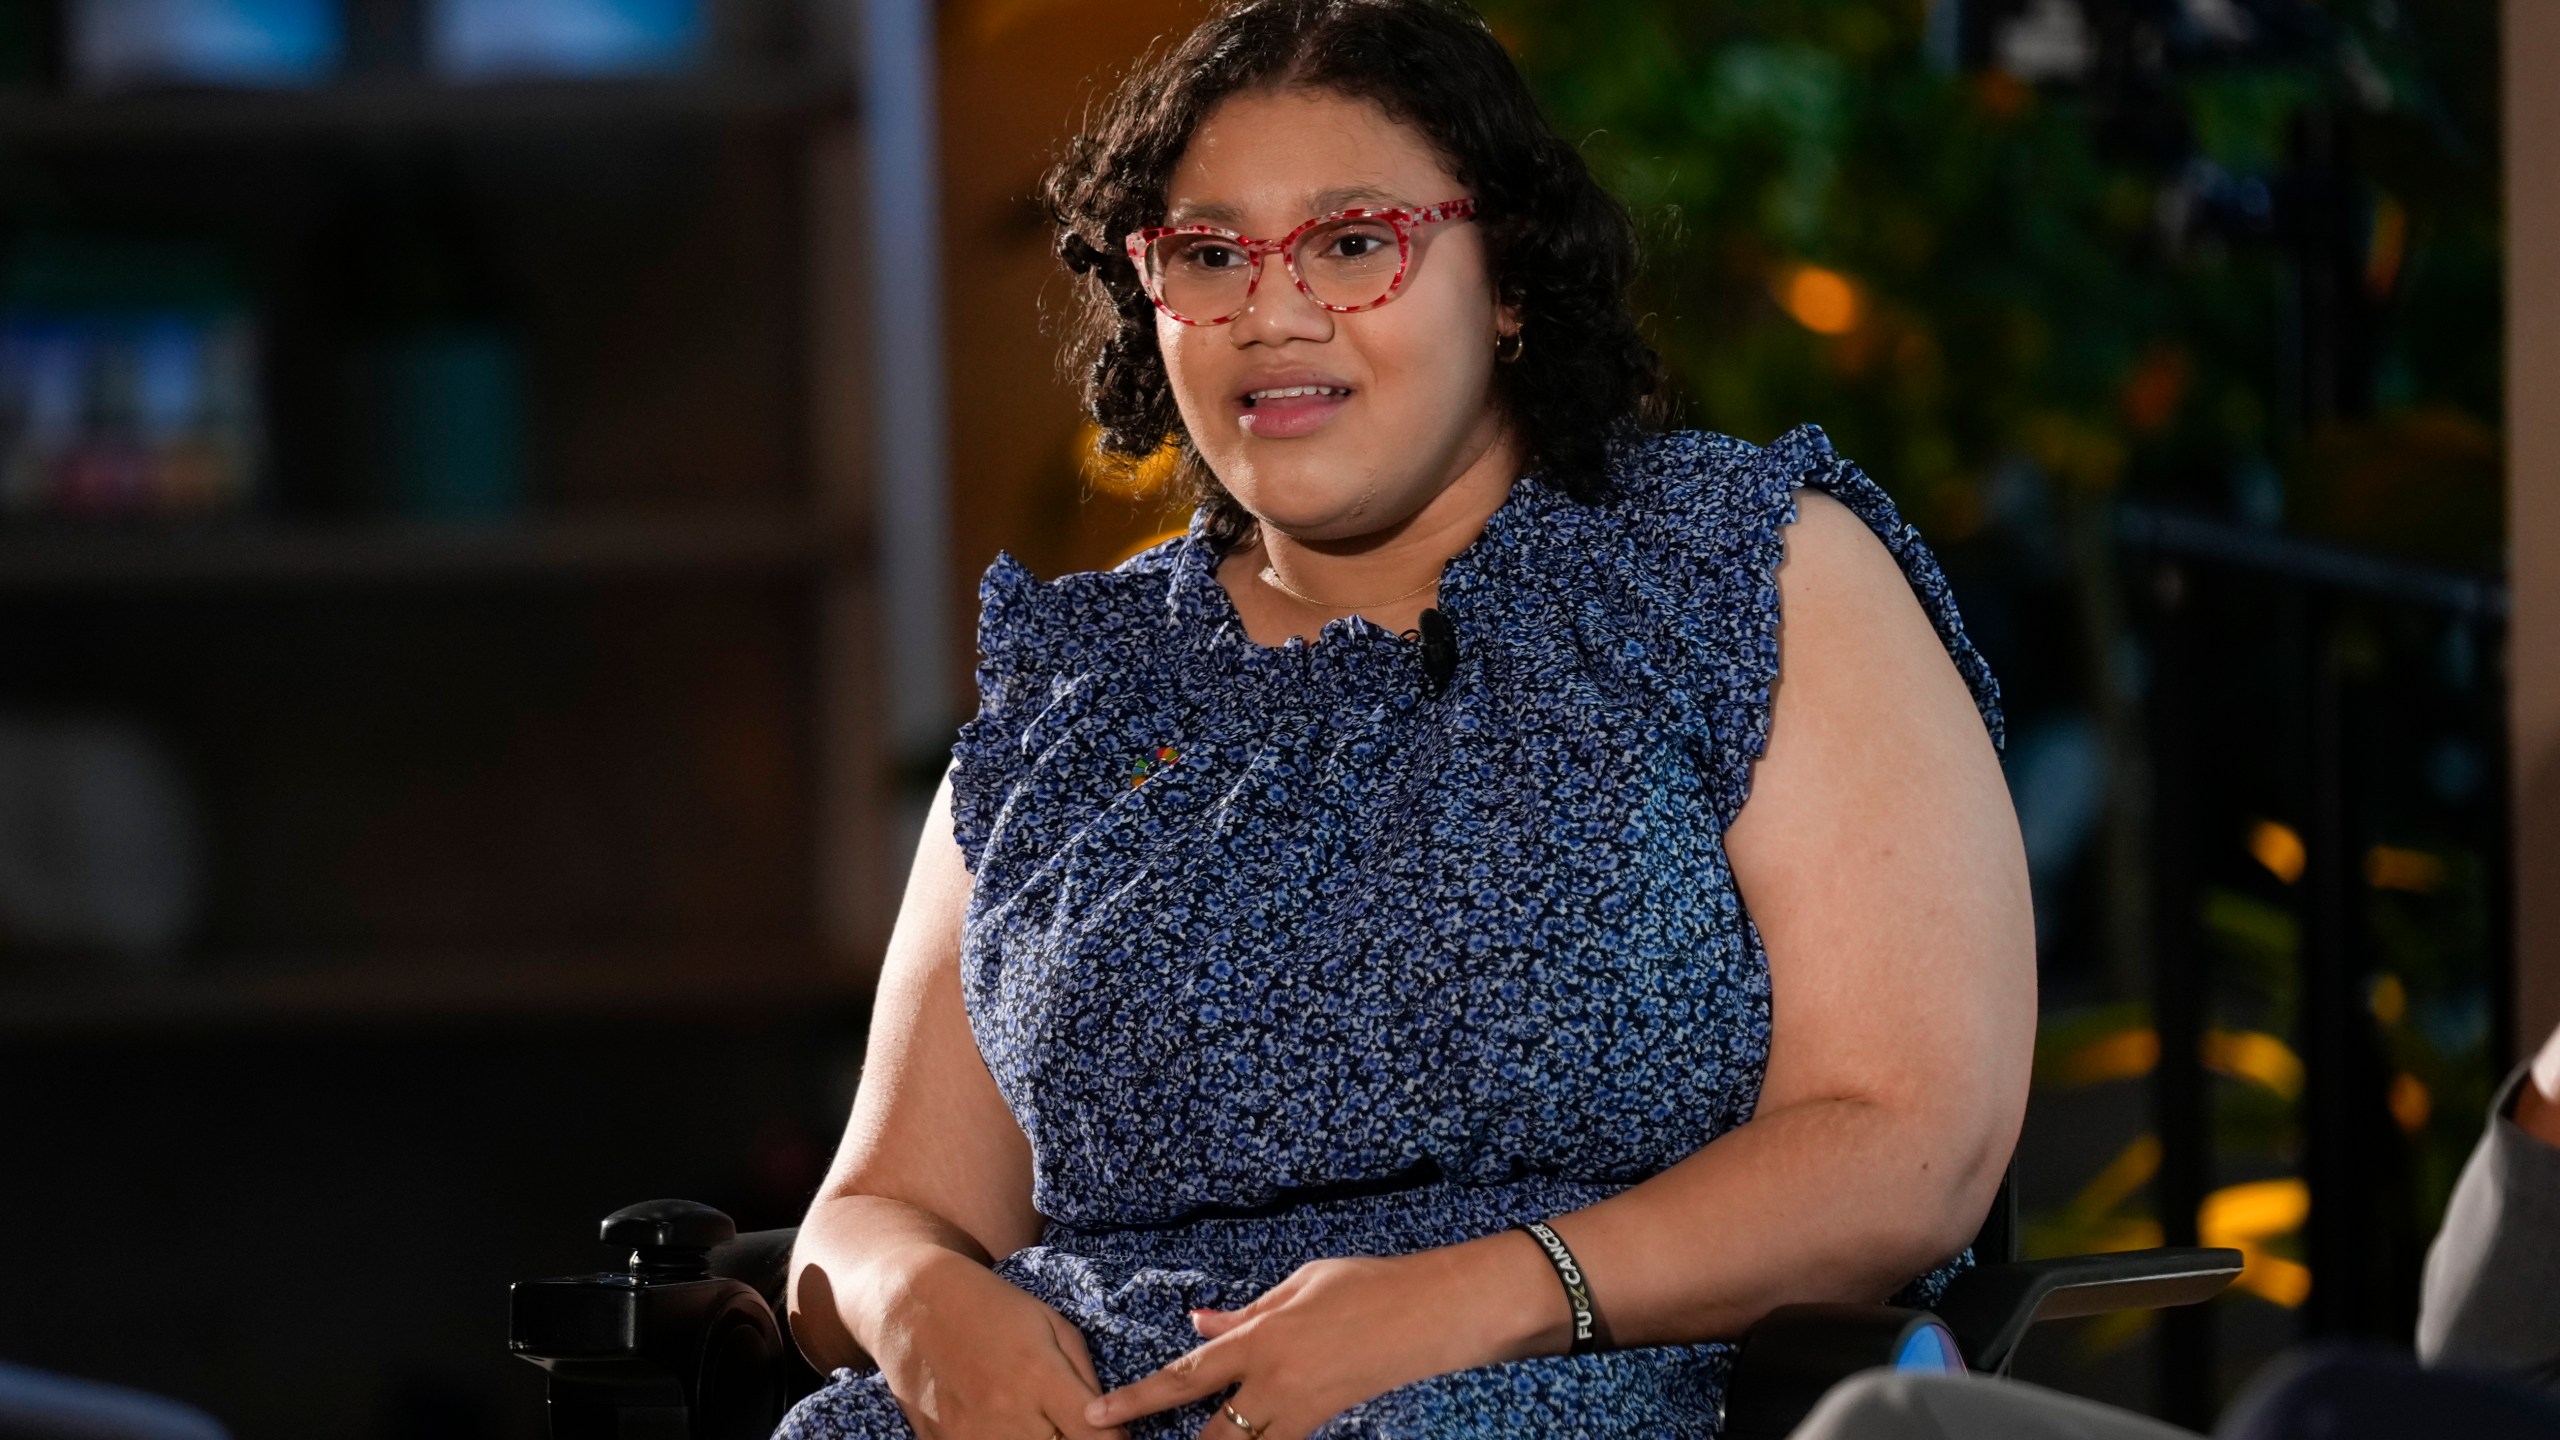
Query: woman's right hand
[970, 1356]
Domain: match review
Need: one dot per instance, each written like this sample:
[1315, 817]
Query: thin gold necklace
[1271, 577]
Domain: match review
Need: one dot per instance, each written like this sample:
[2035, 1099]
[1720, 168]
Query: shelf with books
[365, 109]
[59, 556]
[440, 498]
[236, 994]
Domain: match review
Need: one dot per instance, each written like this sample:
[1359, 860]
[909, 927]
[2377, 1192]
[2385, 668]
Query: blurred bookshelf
[235, 995]
[434, 549]
[249, 554]
[398, 108]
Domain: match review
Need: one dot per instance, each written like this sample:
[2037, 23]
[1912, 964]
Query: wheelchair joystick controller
[662, 1350]
[668, 1239]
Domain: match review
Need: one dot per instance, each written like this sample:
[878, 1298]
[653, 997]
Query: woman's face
[1414, 378]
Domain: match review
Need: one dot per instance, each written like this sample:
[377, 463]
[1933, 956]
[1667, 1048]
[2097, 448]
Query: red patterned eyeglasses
[1347, 261]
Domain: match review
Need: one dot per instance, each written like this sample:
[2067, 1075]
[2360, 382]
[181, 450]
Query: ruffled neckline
[1350, 653]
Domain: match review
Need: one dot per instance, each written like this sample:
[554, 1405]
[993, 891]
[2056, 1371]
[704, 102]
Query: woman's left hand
[1338, 1332]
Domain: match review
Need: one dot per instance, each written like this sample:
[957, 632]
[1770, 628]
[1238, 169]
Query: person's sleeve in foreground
[2491, 1300]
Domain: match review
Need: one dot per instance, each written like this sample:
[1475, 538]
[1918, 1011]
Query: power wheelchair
[684, 1343]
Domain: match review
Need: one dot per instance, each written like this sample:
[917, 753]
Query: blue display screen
[1929, 1348]
[118, 44]
[489, 39]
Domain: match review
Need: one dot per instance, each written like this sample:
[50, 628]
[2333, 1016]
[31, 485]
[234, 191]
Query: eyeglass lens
[1348, 262]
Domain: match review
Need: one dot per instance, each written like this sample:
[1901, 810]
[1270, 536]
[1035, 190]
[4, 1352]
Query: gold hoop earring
[1507, 348]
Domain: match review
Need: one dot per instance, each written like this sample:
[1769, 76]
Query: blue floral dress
[1275, 957]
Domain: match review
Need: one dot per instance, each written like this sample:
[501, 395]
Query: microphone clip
[1439, 652]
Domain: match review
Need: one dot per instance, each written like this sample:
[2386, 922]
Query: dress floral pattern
[1274, 957]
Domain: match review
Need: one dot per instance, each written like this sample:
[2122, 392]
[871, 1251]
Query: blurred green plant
[1953, 269]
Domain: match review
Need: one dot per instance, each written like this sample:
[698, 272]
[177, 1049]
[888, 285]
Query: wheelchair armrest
[1789, 1360]
[1990, 1306]
[760, 1259]
[685, 1342]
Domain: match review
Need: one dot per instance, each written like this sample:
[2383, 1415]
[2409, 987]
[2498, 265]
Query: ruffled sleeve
[1709, 517]
[1803, 456]
[1014, 666]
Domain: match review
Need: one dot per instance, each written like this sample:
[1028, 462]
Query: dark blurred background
[491, 493]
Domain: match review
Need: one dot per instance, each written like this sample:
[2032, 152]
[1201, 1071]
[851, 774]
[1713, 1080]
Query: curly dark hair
[1562, 248]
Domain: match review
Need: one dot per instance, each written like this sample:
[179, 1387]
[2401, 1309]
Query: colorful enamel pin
[1163, 760]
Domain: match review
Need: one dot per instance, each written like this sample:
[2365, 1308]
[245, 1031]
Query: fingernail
[1097, 1414]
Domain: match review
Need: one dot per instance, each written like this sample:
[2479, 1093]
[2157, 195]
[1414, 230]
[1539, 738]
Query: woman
[1444, 835]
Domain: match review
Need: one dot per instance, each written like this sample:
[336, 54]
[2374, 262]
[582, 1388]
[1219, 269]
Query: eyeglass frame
[1403, 219]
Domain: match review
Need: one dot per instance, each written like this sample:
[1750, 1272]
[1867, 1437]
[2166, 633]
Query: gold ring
[1243, 1424]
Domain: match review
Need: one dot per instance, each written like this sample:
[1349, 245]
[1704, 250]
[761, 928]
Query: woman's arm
[932, 1183]
[1879, 857]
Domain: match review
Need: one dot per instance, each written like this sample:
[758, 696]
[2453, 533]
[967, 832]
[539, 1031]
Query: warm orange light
[1825, 302]
[2388, 999]
[2261, 1209]
[2411, 1104]
[2386, 247]
[1120, 477]
[2279, 848]
[2124, 1055]
[2242, 1217]
[2153, 390]
[2415, 871]
[2002, 94]
[2257, 1056]
[2273, 1277]
[2130, 1054]
[997, 19]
